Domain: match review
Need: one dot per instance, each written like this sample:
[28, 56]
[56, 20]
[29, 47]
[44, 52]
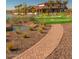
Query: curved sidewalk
[45, 46]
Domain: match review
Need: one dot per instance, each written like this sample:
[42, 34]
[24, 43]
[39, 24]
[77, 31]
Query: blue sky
[11, 3]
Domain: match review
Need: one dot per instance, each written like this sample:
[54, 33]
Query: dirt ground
[64, 49]
[25, 43]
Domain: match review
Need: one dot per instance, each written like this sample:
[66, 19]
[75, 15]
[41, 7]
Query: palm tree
[25, 8]
[65, 3]
[50, 2]
[59, 5]
[18, 8]
[49, 6]
[21, 8]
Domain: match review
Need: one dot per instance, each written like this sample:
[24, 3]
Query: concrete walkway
[45, 46]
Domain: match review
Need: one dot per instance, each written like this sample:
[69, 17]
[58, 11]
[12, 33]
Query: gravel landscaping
[23, 40]
[64, 49]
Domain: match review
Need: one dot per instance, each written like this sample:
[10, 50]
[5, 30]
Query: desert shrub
[30, 28]
[40, 29]
[18, 32]
[26, 36]
[34, 20]
[9, 47]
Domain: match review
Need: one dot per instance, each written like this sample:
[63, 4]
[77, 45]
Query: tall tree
[65, 3]
[50, 2]
[18, 8]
